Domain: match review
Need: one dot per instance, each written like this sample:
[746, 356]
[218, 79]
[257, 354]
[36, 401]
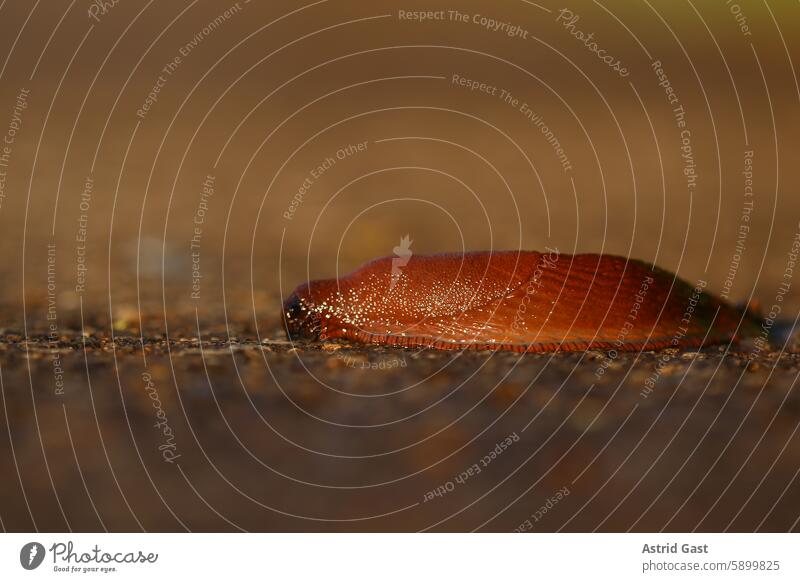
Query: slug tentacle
[512, 300]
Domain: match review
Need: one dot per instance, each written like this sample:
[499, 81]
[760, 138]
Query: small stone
[754, 366]
[333, 363]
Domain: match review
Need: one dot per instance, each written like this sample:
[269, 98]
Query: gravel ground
[266, 436]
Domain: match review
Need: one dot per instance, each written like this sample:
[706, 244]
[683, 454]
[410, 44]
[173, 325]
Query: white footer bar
[406, 557]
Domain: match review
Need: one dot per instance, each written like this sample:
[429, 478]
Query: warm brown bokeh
[273, 99]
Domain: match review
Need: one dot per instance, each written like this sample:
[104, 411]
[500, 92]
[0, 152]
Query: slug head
[303, 311]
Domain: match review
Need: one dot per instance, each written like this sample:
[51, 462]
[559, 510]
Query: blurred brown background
[248, 99]
[275, 88]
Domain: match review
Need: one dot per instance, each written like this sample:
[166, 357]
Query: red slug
[512, 300]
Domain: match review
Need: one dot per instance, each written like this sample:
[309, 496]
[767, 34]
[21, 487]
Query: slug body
[512, 300]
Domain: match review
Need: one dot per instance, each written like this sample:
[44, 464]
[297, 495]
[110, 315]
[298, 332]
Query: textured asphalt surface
[266, 436]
